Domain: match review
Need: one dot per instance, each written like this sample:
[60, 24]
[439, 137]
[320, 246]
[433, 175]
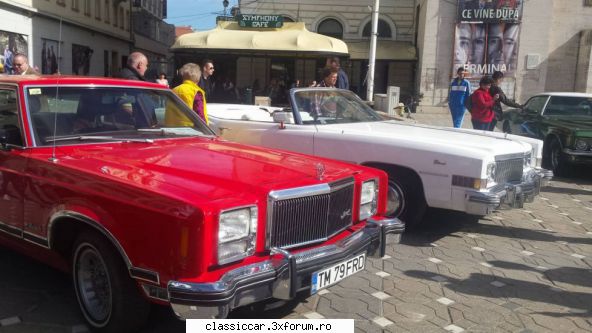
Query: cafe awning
[229, 37]
[385, 50]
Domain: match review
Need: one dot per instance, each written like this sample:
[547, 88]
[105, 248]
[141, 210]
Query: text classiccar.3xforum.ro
[271, 326]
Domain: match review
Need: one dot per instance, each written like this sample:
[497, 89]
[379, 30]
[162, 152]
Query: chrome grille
[509, 170]
[312, 214]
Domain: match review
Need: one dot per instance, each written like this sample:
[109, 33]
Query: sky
[199, 14]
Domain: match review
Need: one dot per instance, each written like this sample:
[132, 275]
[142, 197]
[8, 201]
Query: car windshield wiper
[182, 131]
[95, 138]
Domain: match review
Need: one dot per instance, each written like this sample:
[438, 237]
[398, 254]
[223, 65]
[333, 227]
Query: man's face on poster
[510, 42]
[478, 44]
[463, 44]
[495, 42]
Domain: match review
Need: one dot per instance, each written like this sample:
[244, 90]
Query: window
[61, 3]
[87, 7]
[107, 11]
[98, 9]
[384, 29]
[127, 20]
[121, 18]
[536, 104]
[115, 15]
[288, 19]
[75, 5]
[9, 122]
[331, 28]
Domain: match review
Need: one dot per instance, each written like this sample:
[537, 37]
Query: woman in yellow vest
[191, 94]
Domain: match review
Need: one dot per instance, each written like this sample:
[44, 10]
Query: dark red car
[121, 184]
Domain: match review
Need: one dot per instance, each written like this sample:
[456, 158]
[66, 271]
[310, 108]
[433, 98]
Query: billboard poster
[483, 48]
[81, 59]
[490, 11]
[11, 44]
[49, 56]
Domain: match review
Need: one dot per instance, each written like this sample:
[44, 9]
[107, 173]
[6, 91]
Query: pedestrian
[496, 89]
[162, 79]
[313, 83]
[460, 90]
[342, 80]
[136, 67]
[192, 94]
[206, 82]
[329, 78]
[482, 105]
[143, 115]
[20, 65]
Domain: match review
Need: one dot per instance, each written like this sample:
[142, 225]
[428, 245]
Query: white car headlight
[368, 199]
[237, 234]
[490, 173]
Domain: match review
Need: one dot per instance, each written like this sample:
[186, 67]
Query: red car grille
[304, 219]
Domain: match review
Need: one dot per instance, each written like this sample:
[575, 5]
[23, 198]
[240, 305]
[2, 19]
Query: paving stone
[578, 256]
[313, 315]
[527, 253]
[445, 301]
[435, 260]
[454, 329]
[380, 295]
[382, 322]
[498, 284]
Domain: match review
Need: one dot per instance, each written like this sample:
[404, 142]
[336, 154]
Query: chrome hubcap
[395, 200]
[94, 285]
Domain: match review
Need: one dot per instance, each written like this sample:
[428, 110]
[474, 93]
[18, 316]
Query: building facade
[350, 21]
[86, 37]
[152, 36]
[550, 42]
[81, 37]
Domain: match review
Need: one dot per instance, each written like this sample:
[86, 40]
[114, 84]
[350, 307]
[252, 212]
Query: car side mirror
[282, 117]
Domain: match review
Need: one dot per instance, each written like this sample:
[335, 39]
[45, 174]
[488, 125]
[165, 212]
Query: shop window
[331, 28]
[384, 29]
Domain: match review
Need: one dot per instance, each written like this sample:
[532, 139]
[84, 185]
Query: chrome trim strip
[90, 222]
[511, 156]
[144, 275]
[577, 152]
[11, 230]
[35, 239]
[298, 192]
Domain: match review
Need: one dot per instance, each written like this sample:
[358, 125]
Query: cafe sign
[260, 21]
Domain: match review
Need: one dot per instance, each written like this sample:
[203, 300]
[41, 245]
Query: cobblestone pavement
[525, 270]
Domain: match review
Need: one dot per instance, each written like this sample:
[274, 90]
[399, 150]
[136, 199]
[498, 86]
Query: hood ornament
[320, 171]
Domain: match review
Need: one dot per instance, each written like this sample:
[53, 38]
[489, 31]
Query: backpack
[469, 102]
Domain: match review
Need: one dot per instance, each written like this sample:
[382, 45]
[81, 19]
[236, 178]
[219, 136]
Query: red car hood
[191, 169]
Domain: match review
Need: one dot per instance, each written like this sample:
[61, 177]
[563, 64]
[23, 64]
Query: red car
[121, 184]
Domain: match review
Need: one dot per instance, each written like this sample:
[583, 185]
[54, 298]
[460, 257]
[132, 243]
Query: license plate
[330, 276]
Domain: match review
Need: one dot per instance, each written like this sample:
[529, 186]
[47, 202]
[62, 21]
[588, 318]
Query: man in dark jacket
[495, 89]
[342, 80]
[142, 113]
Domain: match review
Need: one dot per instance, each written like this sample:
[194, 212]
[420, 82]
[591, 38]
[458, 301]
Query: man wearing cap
[460, 90]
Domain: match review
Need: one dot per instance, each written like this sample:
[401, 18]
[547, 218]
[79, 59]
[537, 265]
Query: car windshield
[331, 106]
[569, 106]
[65, 114]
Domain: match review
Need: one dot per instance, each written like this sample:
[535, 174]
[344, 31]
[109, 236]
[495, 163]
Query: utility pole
[372, 56]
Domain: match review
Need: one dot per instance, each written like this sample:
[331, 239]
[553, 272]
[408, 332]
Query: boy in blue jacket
[460, 90]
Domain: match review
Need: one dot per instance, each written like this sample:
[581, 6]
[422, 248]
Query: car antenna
[53, 157]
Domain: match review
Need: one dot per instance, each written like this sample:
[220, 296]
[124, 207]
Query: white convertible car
[464, 170]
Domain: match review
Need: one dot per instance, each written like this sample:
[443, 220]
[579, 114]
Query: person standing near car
[495, 89]
[460, 90]
[190, 92]
[482, 105]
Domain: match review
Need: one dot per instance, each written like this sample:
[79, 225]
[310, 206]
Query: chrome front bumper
[279, 277]
[509, 195]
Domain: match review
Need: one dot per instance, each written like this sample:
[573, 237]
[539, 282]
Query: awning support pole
[372, 56]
